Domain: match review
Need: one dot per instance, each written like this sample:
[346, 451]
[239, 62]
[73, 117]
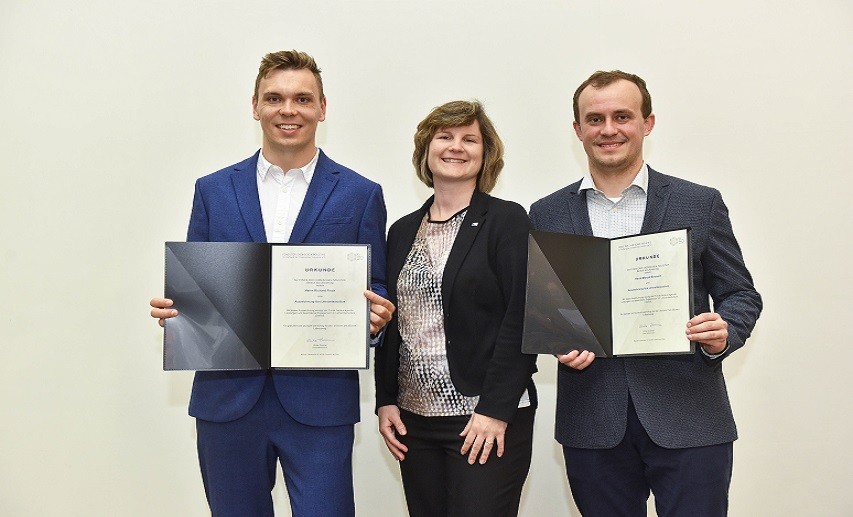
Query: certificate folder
[626, 296]
[253, 306]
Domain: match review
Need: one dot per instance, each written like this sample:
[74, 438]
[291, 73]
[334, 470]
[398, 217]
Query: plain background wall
[111, 109]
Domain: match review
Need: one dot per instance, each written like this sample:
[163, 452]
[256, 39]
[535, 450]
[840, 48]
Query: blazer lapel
[322, 184]
[578, 212]
[471, 225]
[245, 182]
[657, 200]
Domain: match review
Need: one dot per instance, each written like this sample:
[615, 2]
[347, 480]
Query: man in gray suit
[660, 423]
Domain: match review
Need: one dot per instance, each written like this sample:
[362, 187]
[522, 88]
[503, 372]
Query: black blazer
[483, 292]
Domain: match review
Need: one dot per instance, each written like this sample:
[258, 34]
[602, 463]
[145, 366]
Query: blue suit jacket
[340, 207]
[681, 400]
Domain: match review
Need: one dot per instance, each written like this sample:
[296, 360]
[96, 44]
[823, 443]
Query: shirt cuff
[714, 356]
[374, 340]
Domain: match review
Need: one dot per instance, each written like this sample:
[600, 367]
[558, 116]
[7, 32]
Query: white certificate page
[650, 286]
[320, 317]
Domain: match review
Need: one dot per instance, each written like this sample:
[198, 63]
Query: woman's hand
[390, 425]
[481, 434]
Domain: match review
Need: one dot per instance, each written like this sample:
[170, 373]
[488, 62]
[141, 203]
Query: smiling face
[289, 106]
[611, 127]
[455, 155]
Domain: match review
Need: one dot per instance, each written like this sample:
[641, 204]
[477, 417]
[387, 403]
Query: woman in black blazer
[455, 397]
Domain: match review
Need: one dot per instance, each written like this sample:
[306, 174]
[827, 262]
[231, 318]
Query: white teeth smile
[287, 126]
[452, 160]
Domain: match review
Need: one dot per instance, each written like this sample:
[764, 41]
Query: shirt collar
[641, 180]
[307, 170]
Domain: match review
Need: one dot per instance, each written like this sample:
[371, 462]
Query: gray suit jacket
[681, 400]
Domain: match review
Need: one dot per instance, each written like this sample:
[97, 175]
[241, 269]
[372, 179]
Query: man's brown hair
[601, 79]
[288, 60]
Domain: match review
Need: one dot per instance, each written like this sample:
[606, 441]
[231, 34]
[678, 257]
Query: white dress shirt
[611, 218]
[281, 195]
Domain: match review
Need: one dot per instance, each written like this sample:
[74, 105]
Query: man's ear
[255, 114]
[648, 124]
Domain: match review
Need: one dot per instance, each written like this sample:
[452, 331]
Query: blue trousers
[238, 463]
[691, 482]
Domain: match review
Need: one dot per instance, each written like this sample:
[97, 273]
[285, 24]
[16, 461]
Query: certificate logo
[675, 241]
[353, 257]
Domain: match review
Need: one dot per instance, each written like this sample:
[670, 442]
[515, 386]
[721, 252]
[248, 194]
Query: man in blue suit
[289, 191]
[660, 423]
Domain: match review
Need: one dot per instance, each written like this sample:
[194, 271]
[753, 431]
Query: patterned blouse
[425, 385]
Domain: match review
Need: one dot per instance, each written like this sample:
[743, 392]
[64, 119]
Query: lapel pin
[475, 224]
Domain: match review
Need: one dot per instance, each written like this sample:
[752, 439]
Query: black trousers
[439, 482]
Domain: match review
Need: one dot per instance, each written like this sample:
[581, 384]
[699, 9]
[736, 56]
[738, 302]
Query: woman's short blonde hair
[455, 114]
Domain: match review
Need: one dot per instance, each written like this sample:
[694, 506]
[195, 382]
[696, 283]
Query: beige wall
[111, 109]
